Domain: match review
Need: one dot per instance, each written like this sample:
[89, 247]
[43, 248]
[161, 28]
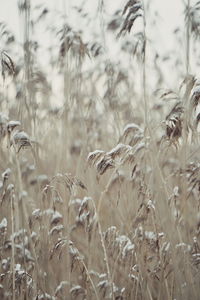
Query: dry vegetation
[99, 161]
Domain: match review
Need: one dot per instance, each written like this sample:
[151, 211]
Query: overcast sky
[169, 10]
[170, 17]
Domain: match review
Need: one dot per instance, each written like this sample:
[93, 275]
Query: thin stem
[91, 281]
[144, 69]
[27, 52]
[188, 38]
[13, 246]
[103, 244]
[186, 115]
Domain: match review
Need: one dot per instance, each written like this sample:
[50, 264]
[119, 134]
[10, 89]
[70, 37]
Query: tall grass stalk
[99, 173]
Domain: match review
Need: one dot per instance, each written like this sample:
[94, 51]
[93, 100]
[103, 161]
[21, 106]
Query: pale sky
[170, 17]
[169, 10]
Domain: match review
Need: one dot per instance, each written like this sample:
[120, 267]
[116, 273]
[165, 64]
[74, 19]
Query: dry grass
[120, 222]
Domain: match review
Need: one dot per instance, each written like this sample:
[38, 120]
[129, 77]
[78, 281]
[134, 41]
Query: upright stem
[100, 10]
[144, 69]
[186, 116]
[26, 38]
[24, 10]
[13, 245]
[188, 38]
[144, 84]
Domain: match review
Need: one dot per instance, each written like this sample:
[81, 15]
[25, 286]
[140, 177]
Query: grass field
[99, 158]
